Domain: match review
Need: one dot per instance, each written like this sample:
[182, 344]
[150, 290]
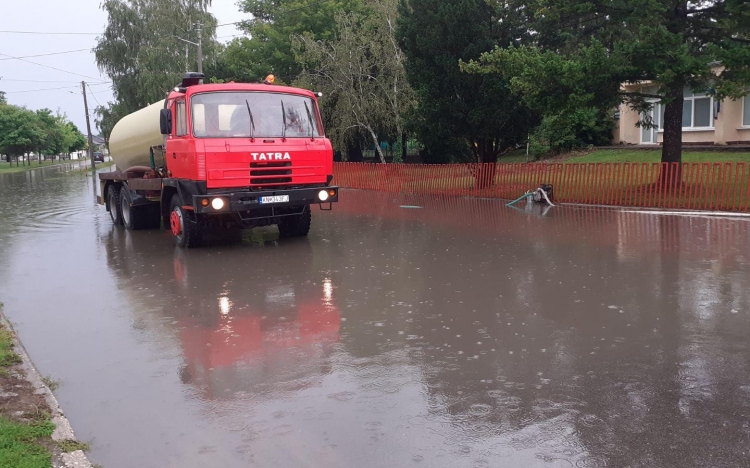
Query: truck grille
[261, 173]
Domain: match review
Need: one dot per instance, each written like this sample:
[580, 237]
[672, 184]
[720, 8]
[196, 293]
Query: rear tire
[138, 217]
[113, 201]
[296, 226]
[187, 233]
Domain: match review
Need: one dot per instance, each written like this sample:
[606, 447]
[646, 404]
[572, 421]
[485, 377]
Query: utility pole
[198, 44]
[200, 47]
[88, 127]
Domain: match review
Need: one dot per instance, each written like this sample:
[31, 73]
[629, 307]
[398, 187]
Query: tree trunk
[404, 142]
[354, 152]
[377, 144]
[672, 146]
[485, 153]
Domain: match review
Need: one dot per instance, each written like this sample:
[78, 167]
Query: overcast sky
[81, 16]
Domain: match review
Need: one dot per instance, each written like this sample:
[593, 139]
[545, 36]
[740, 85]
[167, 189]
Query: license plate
[274, 199]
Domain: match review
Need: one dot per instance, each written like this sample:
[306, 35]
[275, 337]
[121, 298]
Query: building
[705, 121]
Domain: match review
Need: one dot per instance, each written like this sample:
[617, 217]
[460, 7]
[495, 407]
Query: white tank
[134, 135]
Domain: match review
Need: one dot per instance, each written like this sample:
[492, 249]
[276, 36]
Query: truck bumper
[273, 201]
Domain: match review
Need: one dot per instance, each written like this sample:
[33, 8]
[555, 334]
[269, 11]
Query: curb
[63, 430]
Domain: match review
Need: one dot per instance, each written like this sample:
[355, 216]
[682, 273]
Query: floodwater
[405, 331]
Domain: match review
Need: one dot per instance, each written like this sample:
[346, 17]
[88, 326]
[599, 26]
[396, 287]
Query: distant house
[98, 141]
[705, 121]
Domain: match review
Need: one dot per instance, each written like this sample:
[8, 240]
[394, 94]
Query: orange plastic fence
[698, 186]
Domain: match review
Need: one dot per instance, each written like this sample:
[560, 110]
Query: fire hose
[539, 194]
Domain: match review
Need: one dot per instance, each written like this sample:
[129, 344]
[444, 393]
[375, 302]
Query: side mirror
[165, 121]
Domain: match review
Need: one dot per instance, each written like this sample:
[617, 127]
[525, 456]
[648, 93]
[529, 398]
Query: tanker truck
[220, 156]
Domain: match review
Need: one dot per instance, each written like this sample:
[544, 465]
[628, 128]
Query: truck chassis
[143, 198]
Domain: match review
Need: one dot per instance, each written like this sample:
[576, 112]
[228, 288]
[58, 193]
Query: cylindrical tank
[134, 135]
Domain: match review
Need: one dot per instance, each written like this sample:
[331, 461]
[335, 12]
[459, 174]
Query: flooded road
[405, 331]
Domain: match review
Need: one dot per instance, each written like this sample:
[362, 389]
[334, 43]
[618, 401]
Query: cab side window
[181, 127]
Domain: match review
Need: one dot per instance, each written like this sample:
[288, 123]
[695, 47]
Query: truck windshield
[274, 115]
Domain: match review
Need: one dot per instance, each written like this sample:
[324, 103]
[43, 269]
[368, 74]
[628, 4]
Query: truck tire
[152, 216]
[134, 218]
[296, 226]
[187, 233]
[113, 201]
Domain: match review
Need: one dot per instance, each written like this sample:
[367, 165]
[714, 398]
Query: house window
[697, 111]
[181, 119]
[746, 111]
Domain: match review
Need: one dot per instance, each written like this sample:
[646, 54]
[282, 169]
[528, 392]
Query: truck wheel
[135, 218]
[296, 226]
[152, 214]
[113, 201]
[187, 233]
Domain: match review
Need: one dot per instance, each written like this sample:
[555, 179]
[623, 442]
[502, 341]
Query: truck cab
[231, 155]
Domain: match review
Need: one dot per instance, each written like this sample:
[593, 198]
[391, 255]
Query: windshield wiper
[283, 115]
[309, 117]
[252, 121]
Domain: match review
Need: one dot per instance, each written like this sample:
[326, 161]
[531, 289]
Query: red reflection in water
[246, 337]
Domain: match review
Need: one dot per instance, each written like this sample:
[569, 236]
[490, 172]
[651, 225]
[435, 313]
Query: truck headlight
[323, 195]
[217, 204]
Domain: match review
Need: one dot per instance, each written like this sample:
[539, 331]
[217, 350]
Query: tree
[460, 117]
[268, 49]
[105, 118]
[52, 141]
[73, 139]
[140, 52]
[583, 50]
[361, 73]
[20, 131]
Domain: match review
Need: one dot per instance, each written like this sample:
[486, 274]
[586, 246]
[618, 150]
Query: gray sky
[81, 16]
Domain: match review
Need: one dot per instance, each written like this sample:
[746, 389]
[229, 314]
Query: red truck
[220, 156]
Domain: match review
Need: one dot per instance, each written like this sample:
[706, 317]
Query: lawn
[83, 165]
[629, 155]
[7, 168]
[21, 442]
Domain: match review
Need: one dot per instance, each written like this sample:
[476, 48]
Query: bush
[568, 131]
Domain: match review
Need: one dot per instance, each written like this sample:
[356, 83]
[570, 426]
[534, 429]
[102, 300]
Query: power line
[35, 90]
[92, 93]
[48, 66]
[44, 81]
[52, 89]
[51, 33]
[46, 55]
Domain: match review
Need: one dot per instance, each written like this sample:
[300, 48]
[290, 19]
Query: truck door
[179, 155]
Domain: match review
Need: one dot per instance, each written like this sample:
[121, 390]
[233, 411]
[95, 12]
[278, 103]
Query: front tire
[113, 201]
[296, 226]
[187, 233]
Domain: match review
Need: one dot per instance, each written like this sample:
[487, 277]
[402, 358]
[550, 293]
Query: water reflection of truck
[231, 155]
[232, 326]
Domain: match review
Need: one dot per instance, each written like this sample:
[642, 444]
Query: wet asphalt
[405, 331]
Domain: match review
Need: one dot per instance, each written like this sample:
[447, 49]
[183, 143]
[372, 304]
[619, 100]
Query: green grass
[77, 166]
[627, 155]
[624, 155]
[72, 446]
[7, 356]
[19, 444]
[8, 168]
[51, 383]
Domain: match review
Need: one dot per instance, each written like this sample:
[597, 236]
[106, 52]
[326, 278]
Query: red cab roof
[253, 87]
